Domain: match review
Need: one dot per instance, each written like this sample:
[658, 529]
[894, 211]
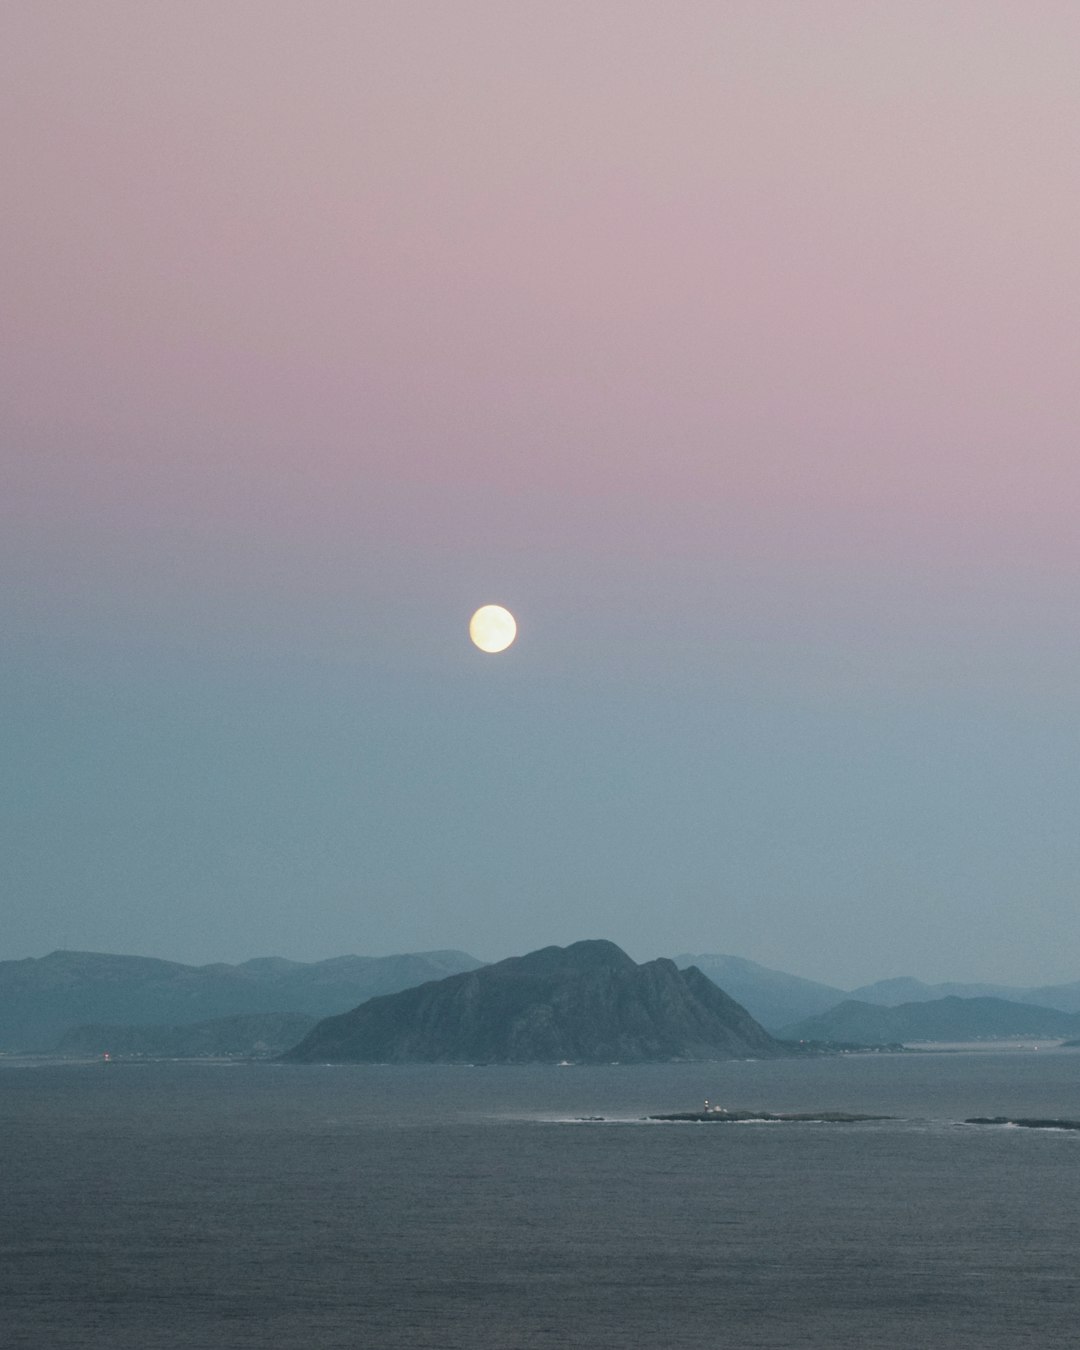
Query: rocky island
[1028, 1123]
[720, 1115]
[588, 1003]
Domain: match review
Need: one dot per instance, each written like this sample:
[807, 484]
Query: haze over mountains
[890, 993]
[779, 1000]
[945, 1019]
[87, 1002]
[587, 1003]
[43, 999]
[771, 996]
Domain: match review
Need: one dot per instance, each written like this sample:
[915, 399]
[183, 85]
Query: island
[1028, 1123]
[588, 1003]
[721, 1115]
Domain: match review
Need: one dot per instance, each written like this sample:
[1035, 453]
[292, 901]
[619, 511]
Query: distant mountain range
[942, 1019]
[76, 1001]
[1064, 997]
[778, 1000]
[43, 999]
[586, 1003]
[771, 997]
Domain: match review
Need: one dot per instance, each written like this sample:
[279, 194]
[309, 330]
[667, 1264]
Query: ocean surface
[161, 1205]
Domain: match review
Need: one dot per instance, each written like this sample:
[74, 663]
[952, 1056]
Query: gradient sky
[733, 346]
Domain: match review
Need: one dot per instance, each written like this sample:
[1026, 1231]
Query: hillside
[905, 989]
[945, 1019]
[586, 1003]
[43, 999]
[772, 997]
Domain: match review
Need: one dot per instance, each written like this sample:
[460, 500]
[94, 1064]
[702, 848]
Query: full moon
[492, 628]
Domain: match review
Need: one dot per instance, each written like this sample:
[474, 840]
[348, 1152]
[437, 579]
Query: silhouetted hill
[945, 1019]
[771, 996]
[249, 1035]
[586, 1003]
[41, 999]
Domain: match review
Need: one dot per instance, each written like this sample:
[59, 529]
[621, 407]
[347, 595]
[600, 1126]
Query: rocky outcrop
[586, 1003]
[1025, 1122]
[722, 1116]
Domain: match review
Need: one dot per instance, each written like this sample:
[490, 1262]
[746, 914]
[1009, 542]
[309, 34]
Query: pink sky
[751, 327]
[813, 264]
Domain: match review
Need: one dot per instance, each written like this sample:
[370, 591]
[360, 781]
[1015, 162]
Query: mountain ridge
[43, 998]
[585, 1003]
[773, 997]
[906, 989]
[948, 1019]
[778, 999]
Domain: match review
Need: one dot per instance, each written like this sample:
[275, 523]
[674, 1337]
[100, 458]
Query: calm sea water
[183, 1205]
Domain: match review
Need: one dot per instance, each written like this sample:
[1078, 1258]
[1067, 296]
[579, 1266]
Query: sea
[222, 1206]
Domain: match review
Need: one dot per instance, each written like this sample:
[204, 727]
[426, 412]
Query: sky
[732, 345]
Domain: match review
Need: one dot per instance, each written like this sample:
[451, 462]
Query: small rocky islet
[1025, 1122]
[719, 1115]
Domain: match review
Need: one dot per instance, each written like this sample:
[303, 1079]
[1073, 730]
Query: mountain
[905, 989]
[586, 1003]
[251, 1035]
[1066, 997]
[890, 993]
[42, 999]
[770, 996]
[943, 1019]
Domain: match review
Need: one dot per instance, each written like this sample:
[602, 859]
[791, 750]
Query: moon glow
[492, 628]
